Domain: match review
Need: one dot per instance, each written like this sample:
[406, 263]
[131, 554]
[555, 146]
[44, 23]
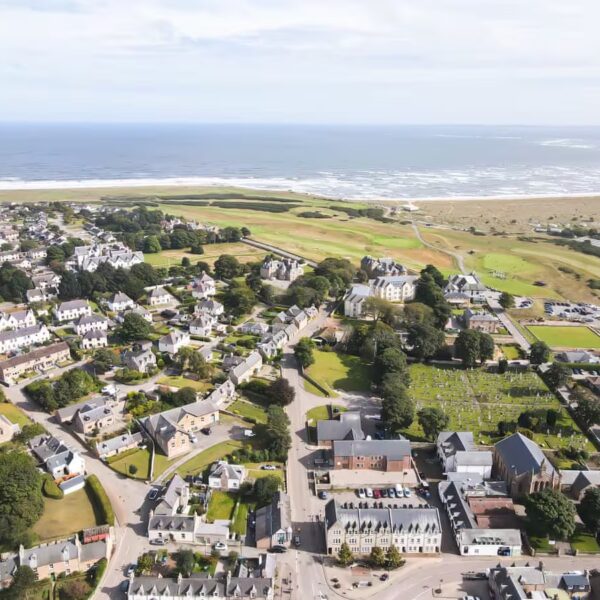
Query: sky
[301, 61]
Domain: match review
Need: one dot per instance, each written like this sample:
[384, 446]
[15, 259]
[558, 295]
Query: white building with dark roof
[119, 302]
[94, 339]
[225, 476]
[395, 288]
[160, 297]
[91, 322]
[23, 338]
[173, 341]
[71, 310]
[458, 453]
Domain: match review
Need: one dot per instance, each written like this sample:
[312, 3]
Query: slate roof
[452, 442]
[72, 305]
[201, 586]
[348, 427]
[119, 441]
[522, 455]
[391, 449]
[273, 517]
[172, 523]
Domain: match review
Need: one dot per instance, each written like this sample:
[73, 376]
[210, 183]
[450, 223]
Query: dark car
[278, 549]
[384, 577]
[206, 430]
[153, 494]
[323, 495]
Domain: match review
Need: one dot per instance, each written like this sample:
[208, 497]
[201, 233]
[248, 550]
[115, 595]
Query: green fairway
[334, 370]
[506, 263]
[63, 517]
[476, 400]
[558, 336]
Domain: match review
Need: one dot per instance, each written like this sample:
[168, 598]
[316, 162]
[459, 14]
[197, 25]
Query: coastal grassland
[476, 400]
[63, 517]
[513, 265]
[557, 336]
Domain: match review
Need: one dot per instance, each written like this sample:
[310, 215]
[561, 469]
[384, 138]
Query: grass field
[240, 521]
[475, 400]
[62, 517]
[334, 370]
[14, 414]
[249, 410]
[565, 336]
[510, 351]
[180, 382]
[221, 506]
[198, 463]
[168, 258]
[583, 541]
[139, 458]
[321, 413]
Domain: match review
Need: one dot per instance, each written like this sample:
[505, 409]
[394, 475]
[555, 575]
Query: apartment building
[38, 360]
[91, 322]
[395, 288]
[377, 455]
[21, 338]
[71, 310]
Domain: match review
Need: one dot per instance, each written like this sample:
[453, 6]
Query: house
[8, 429]
[291, 331]
[346, 427]
[203, 287]
[71, 310]
[354, 300]
[273, 523]
[578, 356]
[254, 328]
[395, 288]
[92, 417]
[250, 367]
[520, 583]
[223, 476]
[481, 321]
[118, 444]
[210, 307]
[91, 323]
[159, 296]
[223, 587]
[62, 557]
[46, 281]
[119, 302]
[21, 338]
[94, 339]
[467, 285]
[482, 516]
[268, 350]
[376, 267]
[279, 339]
[140, 357]
[175, 498]
[173, 429]
[202, 326]
[285, 269]
[577, 483]
[300, 320]
[67, 414]
[458, 454]
[36, 295]
[222, 393]
[173, 341]
[521, 463]
[187, 529]
[379, 455]
[138, 310]
[38, 360]
[230, 361]
[19, 319]
[58, 459]
[411, 530]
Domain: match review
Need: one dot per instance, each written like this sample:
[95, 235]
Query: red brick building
[376, 455]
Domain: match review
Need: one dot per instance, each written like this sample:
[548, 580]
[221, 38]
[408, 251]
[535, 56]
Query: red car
[376, 493]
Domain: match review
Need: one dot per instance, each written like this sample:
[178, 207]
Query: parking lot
[352, 497]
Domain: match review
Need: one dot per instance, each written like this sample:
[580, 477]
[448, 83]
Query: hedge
[50, 489]
[100, 500]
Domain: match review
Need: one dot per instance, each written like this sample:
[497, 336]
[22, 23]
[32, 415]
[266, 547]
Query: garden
[477, 400]
[335, 370]
[249, 410]
[557, 336]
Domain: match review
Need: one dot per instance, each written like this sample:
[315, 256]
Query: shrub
[50, 489]
[100, 500]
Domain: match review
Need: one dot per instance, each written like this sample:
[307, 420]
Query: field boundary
[276, 250]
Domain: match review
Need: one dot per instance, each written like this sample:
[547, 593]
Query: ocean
[338, 161]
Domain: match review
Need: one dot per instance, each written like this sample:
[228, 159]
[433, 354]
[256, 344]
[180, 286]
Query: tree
[69, 288]
[245, 232]
[186, 562]
[28, 432]
[304, 352]
[486, 346]
[425, 340]
[589, 509]
[78, 589]
[183, 396]
[345, 556]
[186, 262]
[506, 300]
[433, 420]
[189, 359]
[278, 437]
[134, 327]
[23, 581]
[14, 283]
[265, 488]
[557, 375]
[239, 299]
[466, 347]
[417, 312]
[551, 417]
[588, 410]
[393, 558]
[104, 360]
[397, 409]
[152, 244]
[377, 557]
[502, 366]
[539, 353]
[133, 469]
[391, 360]
[227, 267]
[379, 308]
[551, 514]
[21, 502]
[281, 392]
[145, 563]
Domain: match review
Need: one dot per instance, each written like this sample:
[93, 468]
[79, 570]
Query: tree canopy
[304, 352]
[472, 345]
[589, 509]
[539, 353]
[134, 328]
[551, 514]
[433, 420]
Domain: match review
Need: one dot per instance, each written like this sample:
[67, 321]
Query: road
[507, 322]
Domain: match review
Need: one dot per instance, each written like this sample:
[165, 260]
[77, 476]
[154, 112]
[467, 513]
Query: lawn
[174, 381]
[334, 370]
[584, 542]
[565, 336]
[250, 410]
[510, 351]
[63, 517]
[243, 252]
[240, 520]
[14, 414]
[221, 506]
[321, 413]
[476, 400]
[198, 463]
[140, 458]
[313, 389]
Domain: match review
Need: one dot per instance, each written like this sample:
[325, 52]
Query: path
[278, 251]
[454, 255]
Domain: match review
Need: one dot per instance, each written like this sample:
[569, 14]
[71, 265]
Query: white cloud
[306, 60]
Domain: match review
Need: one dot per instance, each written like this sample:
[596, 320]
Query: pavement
[508, 324]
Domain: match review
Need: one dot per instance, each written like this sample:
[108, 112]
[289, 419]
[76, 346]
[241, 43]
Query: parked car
[131, 570]
[391, 492]
[384, 577]
[474, 575]
[157, 542]
[384, 493]
[369, 492]
[278, 549]
[220, 546]
[361, 493]
[193, 438]
[323, 495]
[269, 468]
[376, 493]
[206, 430]
[153, 494]
[407, 493]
